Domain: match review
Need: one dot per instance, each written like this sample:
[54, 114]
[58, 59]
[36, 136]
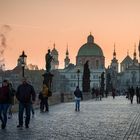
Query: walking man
[26, 96]
[132, 92]
[78, 97]
[4, 103]
[138, 94]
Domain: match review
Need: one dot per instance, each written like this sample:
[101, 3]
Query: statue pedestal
[48, 79]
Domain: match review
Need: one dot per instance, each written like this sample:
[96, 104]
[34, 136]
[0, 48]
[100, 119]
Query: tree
[86, 78]
[102, 84]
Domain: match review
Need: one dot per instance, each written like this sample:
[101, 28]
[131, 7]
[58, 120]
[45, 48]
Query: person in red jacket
[4, 102]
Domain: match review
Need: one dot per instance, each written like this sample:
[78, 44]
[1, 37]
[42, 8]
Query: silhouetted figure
[4, 103]
[86, 78]
[138, 95]
[93, 92]
[26, 96]
[97, 93]
[113, 93]
[78, 97]
[131, 92]
[106, 93]
[12, 94]
[43, 96]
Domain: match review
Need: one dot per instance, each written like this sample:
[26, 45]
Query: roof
[127, 60]
[90, 48]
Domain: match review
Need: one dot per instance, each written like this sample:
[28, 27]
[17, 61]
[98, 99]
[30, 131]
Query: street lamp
[23, 62]
[78, 71]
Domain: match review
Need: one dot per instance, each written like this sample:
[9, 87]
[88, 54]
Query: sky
[35, 25]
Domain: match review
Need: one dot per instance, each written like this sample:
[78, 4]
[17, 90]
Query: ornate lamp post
[23, 58]
[78, 71]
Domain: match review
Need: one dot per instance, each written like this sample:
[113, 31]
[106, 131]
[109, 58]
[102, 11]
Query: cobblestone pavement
[98, 120]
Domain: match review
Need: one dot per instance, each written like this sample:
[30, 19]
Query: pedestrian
[97, 93]
[78, 97]
[26, 96]
[132, 92]
[4, 103]
[138, 94]
[43, 96]
[113, 93]
[93, 92]
[12, 94]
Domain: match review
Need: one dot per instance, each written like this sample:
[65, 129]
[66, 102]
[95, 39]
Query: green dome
[90, 48]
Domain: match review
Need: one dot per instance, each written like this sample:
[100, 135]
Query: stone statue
[48, 59]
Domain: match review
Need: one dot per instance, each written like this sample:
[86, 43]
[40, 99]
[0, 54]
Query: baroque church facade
[129, 74]
[67, 79]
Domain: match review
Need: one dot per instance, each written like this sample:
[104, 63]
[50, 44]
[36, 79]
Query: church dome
[90, 48]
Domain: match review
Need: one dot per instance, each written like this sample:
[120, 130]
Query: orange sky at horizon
[37, 24]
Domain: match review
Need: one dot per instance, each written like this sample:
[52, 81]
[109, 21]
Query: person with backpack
[4, 103]
[43, 96]
[78, 97]
[26, 96]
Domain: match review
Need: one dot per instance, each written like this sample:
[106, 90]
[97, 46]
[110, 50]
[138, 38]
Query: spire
[135, 54]
[139, 48]
[54, 45]
[67, 52]
[67, 60]
[127, 52]
[114, 53]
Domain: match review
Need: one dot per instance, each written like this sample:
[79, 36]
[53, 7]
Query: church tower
[114, 61]
[135, 60]
[67, 60]
[55, 62]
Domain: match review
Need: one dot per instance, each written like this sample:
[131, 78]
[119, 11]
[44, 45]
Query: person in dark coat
[12, 94]
[26, 96]
[113, 93]
[138, 95]
[93, 92]
[78, 97]
[132, 92]
[4, 102]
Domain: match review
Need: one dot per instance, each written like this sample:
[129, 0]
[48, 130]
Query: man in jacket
[26, 96]
[78, 97]
[4, 103]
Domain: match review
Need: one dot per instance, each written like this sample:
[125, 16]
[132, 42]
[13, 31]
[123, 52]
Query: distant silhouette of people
[106, 93]
[93, 92]
[97, 93]
[138, 94]
[113, 93]
[131, 92]
[48, 59]
[78, 97]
